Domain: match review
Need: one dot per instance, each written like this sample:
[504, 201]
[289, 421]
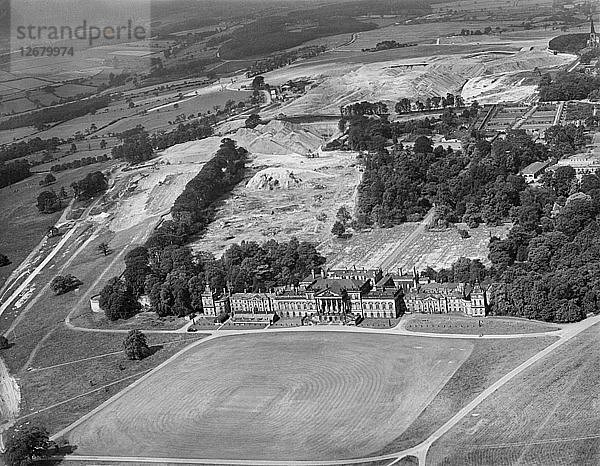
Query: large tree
[64, 283]
[48, 202]
[118, 302]
[23, 443]
[4, 260]
[135, 345]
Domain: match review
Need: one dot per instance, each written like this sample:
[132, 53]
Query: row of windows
[310, 305]
[384, 314]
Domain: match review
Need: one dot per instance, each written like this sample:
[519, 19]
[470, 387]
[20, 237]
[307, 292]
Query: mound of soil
[271, 179]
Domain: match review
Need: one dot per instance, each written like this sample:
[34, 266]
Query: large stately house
[335, 296]
[344, 295]
[444, 298]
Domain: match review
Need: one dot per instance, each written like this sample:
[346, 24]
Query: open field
[72, 90]
[549, 415]
[16, 106]
[299, 395]
[151, 191]
[144, 320]
[71, 364]
[416, 33]
[22, 226]
[8, 136]
[488, 362]
[437, 249]
[458, 324]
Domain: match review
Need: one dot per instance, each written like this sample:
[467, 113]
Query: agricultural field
[427, 33]
[548, 415]
[11, 135]
[407, 246]
[325, 395]
[72, 90]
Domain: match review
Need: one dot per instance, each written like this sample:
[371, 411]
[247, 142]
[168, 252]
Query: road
[419, 451]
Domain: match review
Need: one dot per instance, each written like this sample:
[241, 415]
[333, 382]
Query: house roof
[534, 168]
[338, 284]
[385, 293]
[251, 296]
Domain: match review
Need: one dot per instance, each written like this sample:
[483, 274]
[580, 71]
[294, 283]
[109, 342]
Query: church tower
[208, 302]
[478, 301]
[594, 40]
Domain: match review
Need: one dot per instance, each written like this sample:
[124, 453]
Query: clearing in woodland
[309, 396]
[406, 246]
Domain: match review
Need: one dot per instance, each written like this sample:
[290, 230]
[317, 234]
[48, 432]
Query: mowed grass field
[458, 324]
[276, 396]
[549, 415]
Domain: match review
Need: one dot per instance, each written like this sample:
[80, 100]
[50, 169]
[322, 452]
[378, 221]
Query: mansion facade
[445, 298]
[345, 295]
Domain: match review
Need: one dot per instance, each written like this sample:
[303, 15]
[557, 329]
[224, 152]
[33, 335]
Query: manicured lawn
[289, 396]
[489, 360]
[48, 384]
[459, 324]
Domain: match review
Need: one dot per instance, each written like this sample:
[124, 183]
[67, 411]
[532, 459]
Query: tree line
[480, 184]
[13, 172]
[25, 148]
[549, 265]
[194, 209]
[568, 86]
[82, 162]
[406, 105]
[174, 277]
[280, 60]
[139, 147]
[65, 112]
